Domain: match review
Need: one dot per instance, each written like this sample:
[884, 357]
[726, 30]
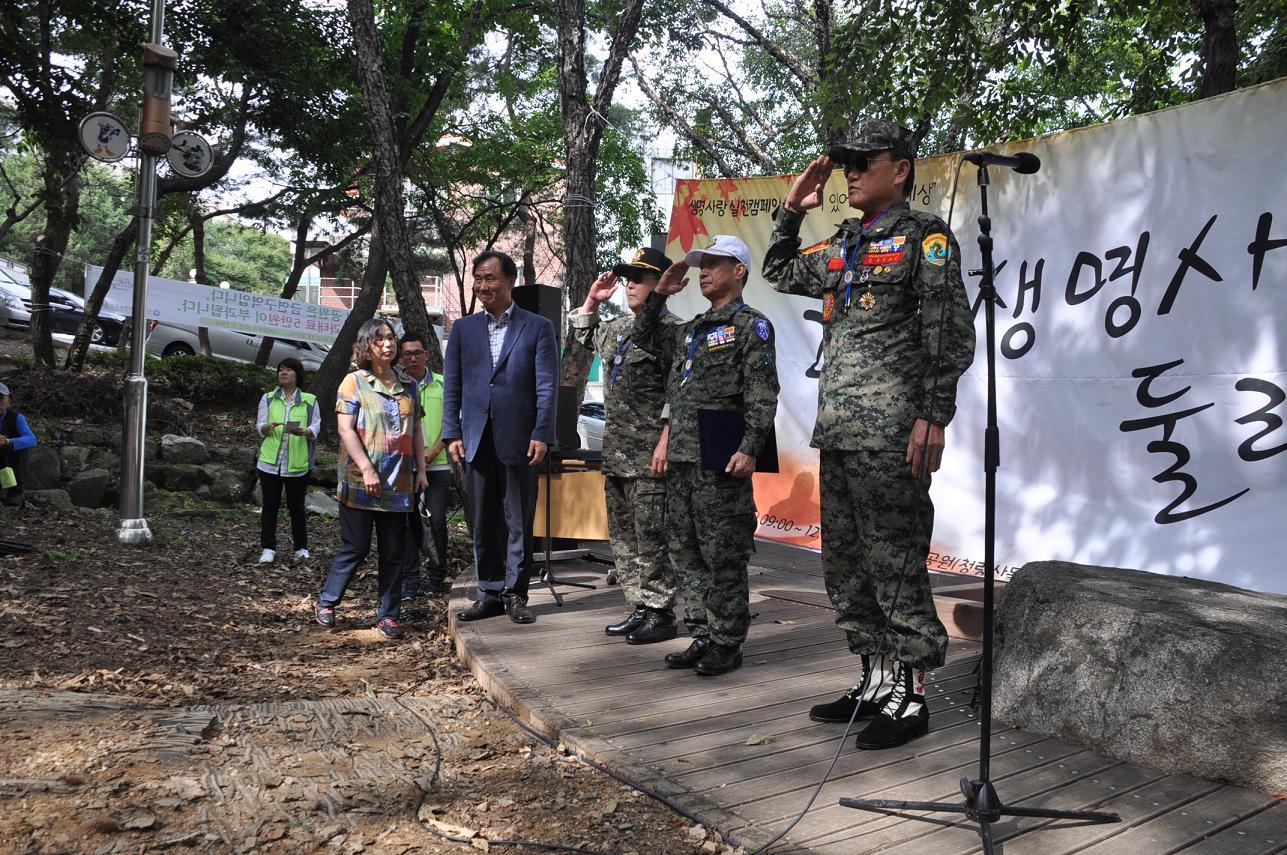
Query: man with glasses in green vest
[414, 364]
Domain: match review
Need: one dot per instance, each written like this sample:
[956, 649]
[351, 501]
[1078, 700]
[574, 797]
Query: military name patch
[762, 329]
[817, 247]
[936, 249]
[721, 337]
[873, 258]
[828, 306]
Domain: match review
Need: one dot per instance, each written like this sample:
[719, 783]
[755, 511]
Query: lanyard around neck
[851, 259]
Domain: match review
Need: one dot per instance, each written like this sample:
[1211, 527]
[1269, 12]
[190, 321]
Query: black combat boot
[867, 695]
[659, 625]
[689, 657]
[720, 659]
[903, 717]
[630, 624]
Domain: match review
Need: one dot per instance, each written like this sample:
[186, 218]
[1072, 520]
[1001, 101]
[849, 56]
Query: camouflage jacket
[635, 392]
[723, 359]
[881, 334]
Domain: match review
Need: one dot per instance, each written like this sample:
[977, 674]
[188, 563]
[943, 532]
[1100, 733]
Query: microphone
[1022, 162]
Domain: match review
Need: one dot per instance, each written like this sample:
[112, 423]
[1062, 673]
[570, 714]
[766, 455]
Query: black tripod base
[548, 580]
[981, 805]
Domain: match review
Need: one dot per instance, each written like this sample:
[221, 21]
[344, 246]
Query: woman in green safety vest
[288, 421]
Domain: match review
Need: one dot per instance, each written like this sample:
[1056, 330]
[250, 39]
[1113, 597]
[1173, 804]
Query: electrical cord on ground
[924, 476]
[432, 786]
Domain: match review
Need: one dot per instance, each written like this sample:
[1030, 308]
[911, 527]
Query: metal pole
[134, 528]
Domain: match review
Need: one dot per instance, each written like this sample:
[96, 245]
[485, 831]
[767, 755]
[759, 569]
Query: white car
[589, 426]
[166, 339]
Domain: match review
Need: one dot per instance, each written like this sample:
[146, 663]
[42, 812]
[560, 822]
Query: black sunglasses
[860, 162]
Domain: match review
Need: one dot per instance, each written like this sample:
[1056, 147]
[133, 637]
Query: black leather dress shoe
[660, 625]
[632, 622]
[720, 659]
[689, 657]
[482, 609]
[516, 608]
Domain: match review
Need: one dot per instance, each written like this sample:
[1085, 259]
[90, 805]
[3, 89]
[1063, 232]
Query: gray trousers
[502, 502]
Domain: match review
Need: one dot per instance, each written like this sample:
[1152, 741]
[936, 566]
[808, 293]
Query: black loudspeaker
[545, 301]
[566, 415]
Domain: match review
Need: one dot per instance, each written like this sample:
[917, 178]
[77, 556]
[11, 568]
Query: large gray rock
[101, 458]
[325, 474]
[74, 458]
[1174, 673]
[322, 503]
[184, 478]
[44, 469]
[50, 498]
[229, 485]
[88, 488]
[183, 449]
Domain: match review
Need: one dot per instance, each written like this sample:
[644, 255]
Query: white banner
[190, 304]
[1141, 367]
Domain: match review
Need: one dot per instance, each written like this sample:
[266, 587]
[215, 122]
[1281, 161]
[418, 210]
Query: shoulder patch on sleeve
[817, 247]
[936, 249]
[762, 328]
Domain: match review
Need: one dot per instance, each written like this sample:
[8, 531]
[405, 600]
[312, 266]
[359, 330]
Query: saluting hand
[603, 288]
[807, 192]
[674, 279]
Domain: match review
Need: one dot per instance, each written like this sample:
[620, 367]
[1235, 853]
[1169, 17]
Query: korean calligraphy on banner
[190, 304]
[1142, 358]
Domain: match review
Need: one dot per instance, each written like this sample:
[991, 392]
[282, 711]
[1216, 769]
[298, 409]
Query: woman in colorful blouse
[382, 466]
[289, 422]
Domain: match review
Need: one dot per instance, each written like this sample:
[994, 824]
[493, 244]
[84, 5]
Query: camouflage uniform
[636, 500]
[711, 515]
[880, 343]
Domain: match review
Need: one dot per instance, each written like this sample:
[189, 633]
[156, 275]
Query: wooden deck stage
[739, 753]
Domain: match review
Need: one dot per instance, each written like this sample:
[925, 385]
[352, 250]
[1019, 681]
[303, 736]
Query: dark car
[66, 312]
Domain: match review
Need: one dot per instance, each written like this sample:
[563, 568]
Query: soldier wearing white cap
[721, 360]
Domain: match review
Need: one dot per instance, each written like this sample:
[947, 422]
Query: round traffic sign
[104, 136]
[190, 155]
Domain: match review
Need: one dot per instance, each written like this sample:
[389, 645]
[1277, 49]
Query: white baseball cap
[723, 246]
[4, 390]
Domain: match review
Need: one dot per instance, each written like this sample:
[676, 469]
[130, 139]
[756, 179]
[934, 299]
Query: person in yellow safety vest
[292, 413]
[414, 356]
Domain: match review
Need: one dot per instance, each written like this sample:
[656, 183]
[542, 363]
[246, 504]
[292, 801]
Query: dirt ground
[179, 697]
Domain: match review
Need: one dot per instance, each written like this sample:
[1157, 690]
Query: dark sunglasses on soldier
[860, 162]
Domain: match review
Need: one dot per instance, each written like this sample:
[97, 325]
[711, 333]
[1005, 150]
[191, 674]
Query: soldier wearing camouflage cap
[723, 359]
[634, 448]
[897, 335]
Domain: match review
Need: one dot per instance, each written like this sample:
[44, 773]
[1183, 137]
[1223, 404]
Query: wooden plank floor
[739, 753]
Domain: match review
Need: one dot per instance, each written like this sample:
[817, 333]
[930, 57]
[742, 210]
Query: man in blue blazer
[500, 377]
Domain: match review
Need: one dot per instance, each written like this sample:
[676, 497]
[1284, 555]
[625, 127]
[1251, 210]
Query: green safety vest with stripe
[299, 449]
[430, 390]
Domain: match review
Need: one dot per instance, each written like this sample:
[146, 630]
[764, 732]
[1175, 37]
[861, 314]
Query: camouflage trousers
[876, 524]
[637, 527]
[711, 518]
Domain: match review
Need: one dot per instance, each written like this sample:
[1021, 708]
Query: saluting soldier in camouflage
[723, 359]
[634, 449]
[897, 335]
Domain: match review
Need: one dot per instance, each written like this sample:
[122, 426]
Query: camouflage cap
[869, 135]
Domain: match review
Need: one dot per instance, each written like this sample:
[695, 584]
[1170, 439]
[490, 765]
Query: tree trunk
[94, 300]
[388, 171]
[61, 206]
[199, 273]
[583, 125]
[1219, 45]
[527, 217]
[327, 379]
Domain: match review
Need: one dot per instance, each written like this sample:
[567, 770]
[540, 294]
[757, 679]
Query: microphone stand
[982, 805]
